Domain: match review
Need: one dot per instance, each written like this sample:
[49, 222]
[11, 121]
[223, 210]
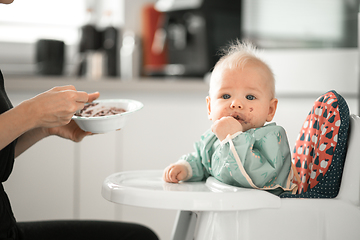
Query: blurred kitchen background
[160, 53]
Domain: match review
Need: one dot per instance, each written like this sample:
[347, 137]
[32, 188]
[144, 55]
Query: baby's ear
[272, 109]
[208, 103]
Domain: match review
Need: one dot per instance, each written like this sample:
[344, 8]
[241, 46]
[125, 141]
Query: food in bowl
[98, 110]
[102, 116]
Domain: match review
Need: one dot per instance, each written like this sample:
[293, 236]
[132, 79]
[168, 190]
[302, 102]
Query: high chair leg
[184, 227]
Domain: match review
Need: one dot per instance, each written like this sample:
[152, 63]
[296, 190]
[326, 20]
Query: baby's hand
[225, 126]
[175, 173]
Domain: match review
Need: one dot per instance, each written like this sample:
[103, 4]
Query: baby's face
[244, 94]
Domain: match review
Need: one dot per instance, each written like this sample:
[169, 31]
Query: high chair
[212, 210]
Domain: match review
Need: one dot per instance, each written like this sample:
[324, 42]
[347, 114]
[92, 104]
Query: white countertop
[39, 84]
[43, 83]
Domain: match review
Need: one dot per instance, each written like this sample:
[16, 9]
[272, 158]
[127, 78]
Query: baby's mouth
[238, 117]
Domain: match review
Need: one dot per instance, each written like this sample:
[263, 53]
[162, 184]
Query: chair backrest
[320, 149]
[350, 182]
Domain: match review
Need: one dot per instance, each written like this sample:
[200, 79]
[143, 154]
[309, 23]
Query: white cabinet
[96, 158]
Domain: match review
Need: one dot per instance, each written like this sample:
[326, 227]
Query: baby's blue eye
[225, 96]
[250, 97]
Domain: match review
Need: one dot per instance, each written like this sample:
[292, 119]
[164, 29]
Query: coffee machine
[193, 32]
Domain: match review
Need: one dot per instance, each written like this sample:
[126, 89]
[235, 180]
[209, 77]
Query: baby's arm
[175, 173]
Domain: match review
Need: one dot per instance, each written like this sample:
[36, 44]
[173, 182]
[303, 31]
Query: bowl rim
[140, 106]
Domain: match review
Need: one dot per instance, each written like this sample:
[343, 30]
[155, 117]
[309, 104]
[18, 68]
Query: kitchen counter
[42, 83]
[187, 85]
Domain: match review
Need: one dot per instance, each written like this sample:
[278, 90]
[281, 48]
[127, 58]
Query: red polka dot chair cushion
[320, 149]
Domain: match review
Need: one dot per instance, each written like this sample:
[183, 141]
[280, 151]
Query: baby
[238, 149]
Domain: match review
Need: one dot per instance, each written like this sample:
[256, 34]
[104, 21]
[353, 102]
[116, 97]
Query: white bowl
[110, 123]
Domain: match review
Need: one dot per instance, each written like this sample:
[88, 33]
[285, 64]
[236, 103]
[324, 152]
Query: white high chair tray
[147, 189]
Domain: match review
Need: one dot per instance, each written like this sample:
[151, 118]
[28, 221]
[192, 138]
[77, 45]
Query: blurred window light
[301, 23]
[26, 21]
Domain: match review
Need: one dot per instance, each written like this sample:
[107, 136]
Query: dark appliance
[195, 36]
[50, 55]
[106, 41]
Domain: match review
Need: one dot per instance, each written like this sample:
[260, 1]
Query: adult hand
[93, 96]
[48, 113]
[71, 130]
[56, 107]
[225, 126]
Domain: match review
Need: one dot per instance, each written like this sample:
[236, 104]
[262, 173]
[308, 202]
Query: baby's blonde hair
[237, 55]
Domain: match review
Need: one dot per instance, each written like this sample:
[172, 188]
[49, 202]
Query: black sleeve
[7, 154]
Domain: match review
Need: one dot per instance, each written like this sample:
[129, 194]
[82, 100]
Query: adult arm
[46, 114]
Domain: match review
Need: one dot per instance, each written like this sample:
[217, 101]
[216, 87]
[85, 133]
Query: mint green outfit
[264, 153]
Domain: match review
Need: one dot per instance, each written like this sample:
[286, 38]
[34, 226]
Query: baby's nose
[236, 104]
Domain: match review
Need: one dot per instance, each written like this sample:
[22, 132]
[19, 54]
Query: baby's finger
[173, 176]
[166, 174]
[181, 176]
